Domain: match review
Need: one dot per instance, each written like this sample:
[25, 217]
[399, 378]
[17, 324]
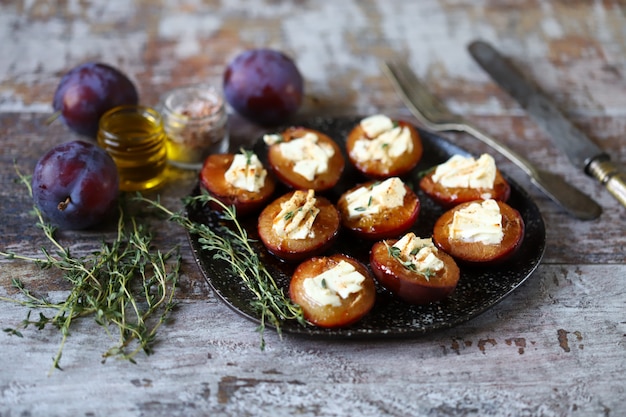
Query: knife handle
[611, 177]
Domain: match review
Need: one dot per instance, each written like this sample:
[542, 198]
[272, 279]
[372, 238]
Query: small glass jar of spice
[196, 124]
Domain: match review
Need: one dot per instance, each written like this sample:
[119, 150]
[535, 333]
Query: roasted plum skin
[450, 197]
[88, 91]
[384, 225]
[477, 252]
[264, 85]
[282, 168]
[374, 169]
[325, 227]
[76, 185]
[410, 286]
[213, 181]
[351, 310]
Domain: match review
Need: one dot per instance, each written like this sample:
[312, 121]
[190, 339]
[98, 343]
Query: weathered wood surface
[555, 347]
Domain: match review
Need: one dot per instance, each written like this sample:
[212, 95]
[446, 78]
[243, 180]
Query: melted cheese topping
[418, 254]
[384, 142]
[478, 222]
[366, 200]
[334, 284]
[466, 172]
[246, 172]
[296, 217]
[376, 125]
[272, 138]
[309, 155]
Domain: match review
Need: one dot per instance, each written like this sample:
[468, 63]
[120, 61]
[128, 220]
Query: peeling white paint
[330, 41]
[322, 40]
[185, 30]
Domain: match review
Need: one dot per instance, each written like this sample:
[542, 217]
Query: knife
[435, 116]
[581, 151]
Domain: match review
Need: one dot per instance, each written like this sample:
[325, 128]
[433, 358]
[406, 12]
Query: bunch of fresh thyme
[228, 241]
[125, 285]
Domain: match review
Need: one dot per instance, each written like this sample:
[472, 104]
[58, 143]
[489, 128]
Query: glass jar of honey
[135, 139]
[196, 124]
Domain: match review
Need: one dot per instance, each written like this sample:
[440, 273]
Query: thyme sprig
[396, 253]
[228, 241]
[125, 285]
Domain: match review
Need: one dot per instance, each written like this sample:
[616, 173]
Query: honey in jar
[135, 139]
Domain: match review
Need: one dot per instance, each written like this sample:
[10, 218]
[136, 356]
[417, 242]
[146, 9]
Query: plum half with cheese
[333, 291]
[238, 180]
[379, 210]
[480, 232]
[380, 147]
[461, 179]
[414, 269]
[305, 159]
[298, 225]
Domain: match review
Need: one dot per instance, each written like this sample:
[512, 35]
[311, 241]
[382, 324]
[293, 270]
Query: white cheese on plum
[384, 142]
[296, 217]
[466, 172]
[310, 156]
[246, 172]
[272, 138]
[368, 200]
[376, 124]
[478, 222]
[417, 254]
[335, 284]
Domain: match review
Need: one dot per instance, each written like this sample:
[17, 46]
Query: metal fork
[433, 115]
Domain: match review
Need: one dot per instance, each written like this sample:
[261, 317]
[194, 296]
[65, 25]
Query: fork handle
[554, 186]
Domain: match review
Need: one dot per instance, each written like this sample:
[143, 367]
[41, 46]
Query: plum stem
[53, 117]
[63, 204]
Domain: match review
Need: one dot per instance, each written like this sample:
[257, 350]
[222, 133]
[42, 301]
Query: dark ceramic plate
[479, 288]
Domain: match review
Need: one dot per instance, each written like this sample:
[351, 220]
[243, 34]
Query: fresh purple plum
[87, 91]
[264, 86]
[75, 185]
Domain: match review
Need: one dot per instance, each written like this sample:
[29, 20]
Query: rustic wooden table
[555, 347]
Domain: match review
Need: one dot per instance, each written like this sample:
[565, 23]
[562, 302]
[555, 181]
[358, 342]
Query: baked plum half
[414, 269]
[298, 225]
[380, 147]
[462, 179]
[480, 232]
[305, 159]
[333, 291]
[379, 210]
[238, 180]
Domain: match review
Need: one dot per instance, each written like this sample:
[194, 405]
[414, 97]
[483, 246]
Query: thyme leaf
[427, 171]
[248, 154]
[228, 241]
[396, 253]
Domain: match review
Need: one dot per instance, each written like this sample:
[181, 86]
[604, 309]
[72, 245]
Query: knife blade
[581, 151]
[435, 116]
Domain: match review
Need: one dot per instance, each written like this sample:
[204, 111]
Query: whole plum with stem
[87, 91]
[75, 185]
[264, 85]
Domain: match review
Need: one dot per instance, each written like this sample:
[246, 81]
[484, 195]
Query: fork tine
[425, 107]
